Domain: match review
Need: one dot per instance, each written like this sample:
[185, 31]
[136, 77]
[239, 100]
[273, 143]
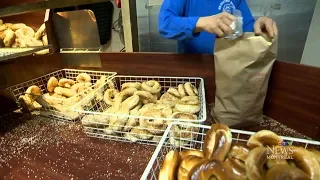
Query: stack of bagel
[28, 100]
[62, 94]
[261, 157]
[148, 108]
[20, 35]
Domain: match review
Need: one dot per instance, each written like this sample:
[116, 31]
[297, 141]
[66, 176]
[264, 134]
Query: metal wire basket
[153, 168]
[41, 82]
[96, 120]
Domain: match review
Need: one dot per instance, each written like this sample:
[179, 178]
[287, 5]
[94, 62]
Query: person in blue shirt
[197, 23]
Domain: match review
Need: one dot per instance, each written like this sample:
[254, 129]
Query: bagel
[41, 31]
[123, 95]
[140, 134]
[83, 77]
[255, 161]
[208, 169]
[14, 45]
[16, 26]
[184, 154]
[109, 96]
[33, 91]
[131, 102]
[239, 152]
[111, 84]
[25, 32]
[305, 161]
[174, 91]
[45, 40]
[178, 142]
[190, 89]
[100, 82]
[66, 111]
[285, 171]
[169, 99]
[188, 104]
[157, 96]
[31, 42]
[127, 92]
[155, 126]
[136, 85]
[98, 121]
[117, 122]
[156, 139]
[48, 98]
[64, 91]
[79, 87]
[183, 116]
[71, 101]
[263, 138]
[52, 83]
[234, 170]
[217, 142]
[151, 86]
[146, 107]
[166, 109]
[26, 103]
[235, 162]
[145, 96]
[187, 164]
[181, 90]
[272, 162]
[9, 37]
[67, 83]
[170, 166]
[59, 96]
[132, 121]
[315, 153]
[185, 132]
[3, 27]
[137, 107]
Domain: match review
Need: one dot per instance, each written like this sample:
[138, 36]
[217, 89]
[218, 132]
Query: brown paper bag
[242, 68]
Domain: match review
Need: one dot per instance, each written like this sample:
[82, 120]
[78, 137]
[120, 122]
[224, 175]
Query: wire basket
[153, 168]
[41, 82]
[100, 126]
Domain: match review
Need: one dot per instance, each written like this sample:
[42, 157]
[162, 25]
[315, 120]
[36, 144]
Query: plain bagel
[188, 104]
[83, 77]
[52, 83]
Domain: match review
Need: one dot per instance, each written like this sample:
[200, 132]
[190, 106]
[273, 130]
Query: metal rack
[98, 128]
[41, 82]
[153, 168]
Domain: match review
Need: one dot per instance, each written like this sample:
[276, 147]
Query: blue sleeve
[172, 24]
[248, 20]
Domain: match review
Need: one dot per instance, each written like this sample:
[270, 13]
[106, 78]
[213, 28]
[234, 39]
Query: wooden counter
[34, 147]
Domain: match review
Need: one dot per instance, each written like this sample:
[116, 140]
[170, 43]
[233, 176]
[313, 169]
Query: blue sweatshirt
[178, 19]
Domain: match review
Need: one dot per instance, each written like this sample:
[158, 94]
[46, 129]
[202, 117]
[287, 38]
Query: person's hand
[265, 24]
[218, 24]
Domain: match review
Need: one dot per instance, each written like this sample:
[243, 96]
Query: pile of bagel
[61, 94]
[145, 101]
[222, 159]
[19, 35]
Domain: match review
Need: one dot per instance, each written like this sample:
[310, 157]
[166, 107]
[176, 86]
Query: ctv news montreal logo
[281, 151]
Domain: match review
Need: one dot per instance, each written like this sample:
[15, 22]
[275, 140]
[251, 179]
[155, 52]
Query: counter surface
[34, 147]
